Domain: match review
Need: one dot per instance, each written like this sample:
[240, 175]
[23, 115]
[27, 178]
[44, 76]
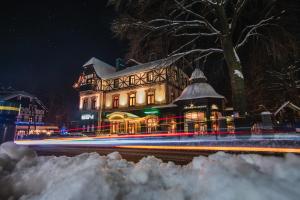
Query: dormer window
[131, 80]
[89, 78]
[116, 83]
[150, 76]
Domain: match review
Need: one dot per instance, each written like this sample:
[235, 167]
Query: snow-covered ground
[24, 175]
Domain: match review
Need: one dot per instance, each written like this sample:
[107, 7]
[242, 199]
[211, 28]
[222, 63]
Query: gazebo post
[208, 118]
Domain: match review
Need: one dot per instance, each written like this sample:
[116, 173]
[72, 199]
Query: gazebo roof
[198, 89]
[198, 75]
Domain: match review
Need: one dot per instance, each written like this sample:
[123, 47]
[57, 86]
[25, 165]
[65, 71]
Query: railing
[87, 87]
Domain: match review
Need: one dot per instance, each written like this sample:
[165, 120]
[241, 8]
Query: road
[176, 156]
[180, 150]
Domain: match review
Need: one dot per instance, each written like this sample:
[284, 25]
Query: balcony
[87, 87]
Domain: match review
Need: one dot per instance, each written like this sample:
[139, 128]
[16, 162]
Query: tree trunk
[236, 76]
[233, 64]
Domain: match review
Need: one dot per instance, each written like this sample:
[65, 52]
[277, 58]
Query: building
[8, 114]
[130, 100]
[30, 119]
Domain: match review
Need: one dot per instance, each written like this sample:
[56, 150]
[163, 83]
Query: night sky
[45, 43]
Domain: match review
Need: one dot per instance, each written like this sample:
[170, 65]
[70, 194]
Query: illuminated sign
[194, 107]
[9, 108]
[30, 123]
[87, 117]
[151, 111]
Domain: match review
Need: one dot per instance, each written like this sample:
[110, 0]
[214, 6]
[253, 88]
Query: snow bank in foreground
[90, 176]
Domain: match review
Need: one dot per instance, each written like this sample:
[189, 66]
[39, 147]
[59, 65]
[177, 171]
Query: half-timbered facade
[130, 100]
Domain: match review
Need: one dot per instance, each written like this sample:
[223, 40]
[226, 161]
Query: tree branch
[239, 7]
[242, 43]
[215, 50]
[207, 23]
[251, 28]
[185, 45]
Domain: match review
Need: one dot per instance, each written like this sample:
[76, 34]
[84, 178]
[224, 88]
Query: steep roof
[287, 104]
[6, 95]
[101, 68]
[198, 89]
[197, 74]
[144, 67]
[12, 94]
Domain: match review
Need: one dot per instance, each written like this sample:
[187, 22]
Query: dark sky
[45, 43]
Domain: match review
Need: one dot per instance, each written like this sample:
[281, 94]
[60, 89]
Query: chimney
[120, 65]
[152, 57]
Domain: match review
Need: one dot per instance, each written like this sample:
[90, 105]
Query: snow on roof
[8, 95]
[11, 94]
[198, 91]
[143, 67]
[287, 104]
[171, 105]
[198, 74]
[101, 68]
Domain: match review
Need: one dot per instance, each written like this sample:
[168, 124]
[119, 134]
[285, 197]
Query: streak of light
[197, 142]
[218, 148]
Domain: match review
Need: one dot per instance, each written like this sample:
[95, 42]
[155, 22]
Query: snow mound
[91, 176]
[16, 152]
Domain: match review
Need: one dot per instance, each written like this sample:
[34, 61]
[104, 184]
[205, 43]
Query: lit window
[93, 105]
[131, 80]
[150, 76]
[196, 116]
[152, 124]
[116, 83]
[172, 96]
[132, 99]
[150, 97]
[89, 78]
[85, 104]
[115, 127]
[116, 101]
[131, 128]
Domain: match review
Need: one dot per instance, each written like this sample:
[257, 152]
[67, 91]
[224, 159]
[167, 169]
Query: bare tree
[287, 82]
[213, 20]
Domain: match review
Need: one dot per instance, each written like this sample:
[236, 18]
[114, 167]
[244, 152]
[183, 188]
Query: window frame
[115, 101]
[94, 103]
[131, 80]
[150, 74]
[116, 83]
[85, 104]
[150, 93]
[133, 102]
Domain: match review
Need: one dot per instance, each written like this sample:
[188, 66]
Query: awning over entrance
[121, 115]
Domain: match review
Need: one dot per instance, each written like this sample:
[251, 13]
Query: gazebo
[201, 105]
